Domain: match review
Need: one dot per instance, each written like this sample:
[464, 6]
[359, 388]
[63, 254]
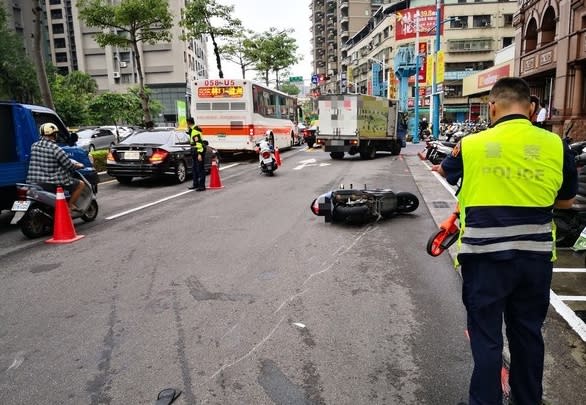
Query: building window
[508, 41]
[59, 43]
[470, 45]
[461, 1]
[507, 20]
[460, 21]
[481, 21]
[54, 2]
[386, 32]
[57, 14]
[60, 57]
[58, 28]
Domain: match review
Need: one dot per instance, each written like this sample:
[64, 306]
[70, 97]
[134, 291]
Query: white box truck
[357, 123]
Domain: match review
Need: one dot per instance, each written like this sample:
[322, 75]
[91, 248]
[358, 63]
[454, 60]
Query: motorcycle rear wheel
[35, 224]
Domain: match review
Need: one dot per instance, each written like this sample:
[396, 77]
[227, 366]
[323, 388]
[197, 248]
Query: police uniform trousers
[519, 290]
[198, 168]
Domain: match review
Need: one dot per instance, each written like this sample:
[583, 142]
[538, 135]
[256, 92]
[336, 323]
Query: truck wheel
[396, 148]
[337, 155]
[407, 202]
[310, 144]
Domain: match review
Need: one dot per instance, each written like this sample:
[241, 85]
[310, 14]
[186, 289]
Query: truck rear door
[337, 116]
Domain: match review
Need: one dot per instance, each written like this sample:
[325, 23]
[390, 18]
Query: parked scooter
[35, 207]
[266, 157]
[354, 206]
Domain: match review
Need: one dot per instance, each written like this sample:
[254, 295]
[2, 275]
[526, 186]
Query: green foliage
[18, 80]
[111, 108]
[100, 159]
[208, 17]
[273, 50]
[126, 24]
[71, 94]
[289, 89]
[237, 50]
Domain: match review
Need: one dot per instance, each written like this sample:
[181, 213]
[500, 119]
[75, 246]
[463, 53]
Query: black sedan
[154, 153]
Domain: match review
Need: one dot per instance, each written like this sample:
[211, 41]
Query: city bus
[234, 114]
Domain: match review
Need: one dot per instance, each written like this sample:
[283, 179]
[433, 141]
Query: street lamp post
[415, 138]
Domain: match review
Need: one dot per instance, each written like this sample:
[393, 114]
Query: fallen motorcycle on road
[354, 206]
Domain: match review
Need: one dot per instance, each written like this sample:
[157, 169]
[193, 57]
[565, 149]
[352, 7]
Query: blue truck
[19, 129]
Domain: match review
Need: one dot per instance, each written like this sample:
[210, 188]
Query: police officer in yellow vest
[513, 174]
[198, 156]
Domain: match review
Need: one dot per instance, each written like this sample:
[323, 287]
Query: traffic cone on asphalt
[63, 230]
[215, 181]
[277, 156]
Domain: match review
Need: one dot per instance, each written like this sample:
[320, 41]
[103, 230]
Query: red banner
[487, 79]
[406, 22]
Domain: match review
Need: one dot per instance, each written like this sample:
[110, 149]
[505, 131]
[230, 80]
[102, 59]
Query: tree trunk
[277, 78]
[217, 53]
[267, 77]
[144, 97]
[243, 69]
[40, 61]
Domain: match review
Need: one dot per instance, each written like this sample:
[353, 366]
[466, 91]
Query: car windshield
[151, 137]
[85, 133]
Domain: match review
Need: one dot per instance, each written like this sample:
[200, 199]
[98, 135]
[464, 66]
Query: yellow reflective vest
[196, 140]
[511, 176]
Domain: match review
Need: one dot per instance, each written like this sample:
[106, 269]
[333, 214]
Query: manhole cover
[440, 204]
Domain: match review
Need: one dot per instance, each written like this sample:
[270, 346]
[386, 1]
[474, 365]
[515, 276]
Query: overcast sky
[259, 16]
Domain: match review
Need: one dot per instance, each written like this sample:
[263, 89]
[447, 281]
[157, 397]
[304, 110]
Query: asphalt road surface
[242, 296]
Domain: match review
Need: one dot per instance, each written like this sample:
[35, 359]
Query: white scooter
[266, 157]
[34, 208]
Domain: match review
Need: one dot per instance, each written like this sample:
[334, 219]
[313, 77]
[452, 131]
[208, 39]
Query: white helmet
[48, 129]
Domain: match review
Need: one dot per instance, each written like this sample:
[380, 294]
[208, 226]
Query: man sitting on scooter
[50, 166]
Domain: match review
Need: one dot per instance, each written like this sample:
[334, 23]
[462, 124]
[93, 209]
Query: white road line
[442, 180]
[569, 270]
[130, 211]
[570, 316]
[147, 205]
[577, 298]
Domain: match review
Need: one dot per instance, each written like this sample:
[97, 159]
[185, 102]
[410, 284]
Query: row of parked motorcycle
[570, 223]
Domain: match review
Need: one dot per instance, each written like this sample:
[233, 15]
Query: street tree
[238, 50]
[125, 25]
[17, 74]
[38, 56]
[71, 95]
[290, 88]
[208, 17]
[273, 51]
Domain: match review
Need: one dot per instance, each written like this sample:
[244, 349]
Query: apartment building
[333, 23]
[169, 68]
[20, 18]
[551, 56]
[471, 32]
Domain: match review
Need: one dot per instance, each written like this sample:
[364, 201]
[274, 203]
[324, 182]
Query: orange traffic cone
[63, 230]
[215, 181]
[277, 156]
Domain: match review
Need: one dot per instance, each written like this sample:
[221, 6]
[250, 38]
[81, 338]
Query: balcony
[344, 5]
[344, 19]
[332, 66]
[333, 58]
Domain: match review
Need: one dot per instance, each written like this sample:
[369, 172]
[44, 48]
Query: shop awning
[456, 109]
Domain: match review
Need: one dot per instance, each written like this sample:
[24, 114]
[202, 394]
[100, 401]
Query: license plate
[21, 205]
[132, 155]
[336, 143]
[221, 135]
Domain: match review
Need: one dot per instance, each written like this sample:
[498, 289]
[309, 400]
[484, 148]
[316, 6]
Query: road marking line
[130, 211]
[569, 270]
[579, 298]
[569, 316]
[442, 180]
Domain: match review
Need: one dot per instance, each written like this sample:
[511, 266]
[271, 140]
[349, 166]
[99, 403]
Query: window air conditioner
[123, 64]
[116, 75]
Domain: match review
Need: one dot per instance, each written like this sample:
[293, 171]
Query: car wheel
[91, 148]
[91, 213]
[124, 180]
[180, 172]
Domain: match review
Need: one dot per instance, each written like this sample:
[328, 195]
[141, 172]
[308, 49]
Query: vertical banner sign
[350, 74]
[392, 88]
[181, 114]
[422, 62]
[429, 71]
[376, 85]
[440, 68]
